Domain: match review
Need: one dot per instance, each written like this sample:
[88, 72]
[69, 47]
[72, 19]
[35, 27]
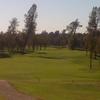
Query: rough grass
[53, 74]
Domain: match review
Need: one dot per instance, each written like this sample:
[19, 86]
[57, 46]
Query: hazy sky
[52, 14]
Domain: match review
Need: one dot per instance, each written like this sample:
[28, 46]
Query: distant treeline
[15, 42]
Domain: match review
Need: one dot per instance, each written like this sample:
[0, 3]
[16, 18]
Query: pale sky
[52, 14]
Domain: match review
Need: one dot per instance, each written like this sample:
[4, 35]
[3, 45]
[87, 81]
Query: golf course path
[10, 93]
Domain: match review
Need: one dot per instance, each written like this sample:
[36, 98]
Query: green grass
[2, 97]
[53, 74]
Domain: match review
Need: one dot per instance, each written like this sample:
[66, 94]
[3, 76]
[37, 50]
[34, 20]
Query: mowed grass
[2, 97]
[53, 74]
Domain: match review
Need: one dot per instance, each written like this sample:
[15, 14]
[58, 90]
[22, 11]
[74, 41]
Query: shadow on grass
[48, 57]
[4, 55]
[41, 52]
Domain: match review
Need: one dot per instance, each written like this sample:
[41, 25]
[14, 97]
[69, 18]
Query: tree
[20, 40]
[93, 25]
[71, 28]
[12, 29]
[2, 41]
[11, 35]
[30, 26]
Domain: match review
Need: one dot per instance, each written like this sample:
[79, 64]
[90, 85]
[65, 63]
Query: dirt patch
[10, 93]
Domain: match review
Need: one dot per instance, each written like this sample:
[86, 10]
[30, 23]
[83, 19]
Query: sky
[52, 14]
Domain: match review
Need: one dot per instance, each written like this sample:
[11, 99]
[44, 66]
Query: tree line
[14, 41]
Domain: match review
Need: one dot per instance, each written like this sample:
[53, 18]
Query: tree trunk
[95, 55]
[91, 56]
